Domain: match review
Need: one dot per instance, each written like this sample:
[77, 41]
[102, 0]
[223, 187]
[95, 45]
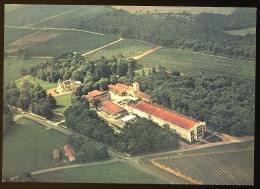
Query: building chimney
[136, 85]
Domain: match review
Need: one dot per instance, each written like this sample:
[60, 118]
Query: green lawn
[45, 84]
[127, 47]
[71, 41]
[191, 63]
[63, 102]
[13, 34]
[12, 67]
[108, 173]
[29, 147]
[242, 32]
[30, 14]
[213, 139]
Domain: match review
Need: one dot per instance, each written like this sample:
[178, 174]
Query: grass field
[12, 7]
[45, 84]
[127, 47]
[13, 34]
[29, 147]
[12, 67]
[242, 32]
[71, 41]
[63, 102]
[213, 139]
[29, 14]
[191, 63]
[72, 19]
[109, 173]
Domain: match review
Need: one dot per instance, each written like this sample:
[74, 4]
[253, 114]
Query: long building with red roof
[187, 128]
[112, 109]
[70, 153]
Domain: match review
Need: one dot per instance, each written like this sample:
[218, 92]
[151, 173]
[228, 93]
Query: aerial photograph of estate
[129, 94]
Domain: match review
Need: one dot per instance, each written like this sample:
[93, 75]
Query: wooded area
[204, 32]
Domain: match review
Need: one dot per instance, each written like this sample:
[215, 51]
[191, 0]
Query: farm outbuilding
[70, 153]
[56, 155]
[112, 109]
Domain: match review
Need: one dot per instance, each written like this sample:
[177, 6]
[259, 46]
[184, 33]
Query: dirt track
[147, 52]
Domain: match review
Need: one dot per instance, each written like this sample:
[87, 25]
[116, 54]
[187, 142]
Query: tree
[121, 69]
[103, 83]
[52, 101]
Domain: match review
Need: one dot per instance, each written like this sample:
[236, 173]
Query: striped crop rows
[221, 168]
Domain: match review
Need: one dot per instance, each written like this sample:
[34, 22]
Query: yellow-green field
[28, 147]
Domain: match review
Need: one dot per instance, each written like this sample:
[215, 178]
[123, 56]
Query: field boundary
[147, 52]
[53, 17]
[92, 51]
[58, 29]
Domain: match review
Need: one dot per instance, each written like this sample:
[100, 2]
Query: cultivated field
[221, 168]
[12, 7]
[71, 41]
[109, 173]
[30, 14]
[31, 41]
[29, 147]
[72, 19]
[13, 34]
[63, 102]
[192, 63]
[127, 47]
[242, 32]
[12, 67]
[226, 164]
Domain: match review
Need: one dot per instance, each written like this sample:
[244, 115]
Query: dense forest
[225, 103]
[8, 121]
[87, 150]
[199, 33]
[30, 97]
[142, 136]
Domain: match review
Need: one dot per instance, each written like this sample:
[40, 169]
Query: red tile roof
[143, 95]
[112, 107]
[166, 115]
[119, 89]
[122, 86]
[69, 151]
[93, 93]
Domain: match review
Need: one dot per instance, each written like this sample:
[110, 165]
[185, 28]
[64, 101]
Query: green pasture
[45, 84]
[72, 19]
[63, 102]
[13, 34]
[127, 47]
[11, 7]
[13, 65]
[71, 41]
[29, 147]
[106, 173]
[30, 14]
[243, 32]
[191, 63]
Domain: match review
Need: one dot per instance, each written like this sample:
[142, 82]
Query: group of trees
[138, 137]
[30, 97]
[96, 74]
[225, 103]
[87, 150]
[8, 121]
[203, 33]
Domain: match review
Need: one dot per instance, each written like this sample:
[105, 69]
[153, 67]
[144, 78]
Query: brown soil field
[30, 41]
